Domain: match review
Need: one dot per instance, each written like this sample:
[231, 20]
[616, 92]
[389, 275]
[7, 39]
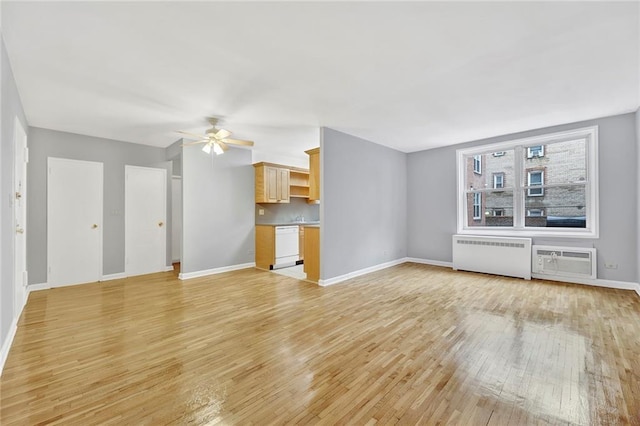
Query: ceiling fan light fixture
[207, 148]
[217, 149]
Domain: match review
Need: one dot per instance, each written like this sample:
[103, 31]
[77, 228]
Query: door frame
[100, 218]
[127, 167]
[20, 280]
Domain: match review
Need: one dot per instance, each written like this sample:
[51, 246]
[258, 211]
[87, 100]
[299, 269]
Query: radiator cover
[508, 256]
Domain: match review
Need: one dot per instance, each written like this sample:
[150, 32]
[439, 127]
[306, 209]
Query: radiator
[573, 262]
[493, 255]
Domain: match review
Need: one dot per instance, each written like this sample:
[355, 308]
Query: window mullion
[518, 188]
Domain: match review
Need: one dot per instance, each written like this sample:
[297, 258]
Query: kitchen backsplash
[289, 212]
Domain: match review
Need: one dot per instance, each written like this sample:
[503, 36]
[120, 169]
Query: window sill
[529, 233]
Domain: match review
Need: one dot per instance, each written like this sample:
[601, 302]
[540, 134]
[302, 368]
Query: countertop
[289, 224]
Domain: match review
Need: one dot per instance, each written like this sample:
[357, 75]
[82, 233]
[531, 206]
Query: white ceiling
[410, 76]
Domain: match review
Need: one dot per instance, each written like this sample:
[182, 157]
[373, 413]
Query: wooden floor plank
[409, 344]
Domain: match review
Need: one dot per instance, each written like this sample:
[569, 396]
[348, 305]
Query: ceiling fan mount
[215, 139]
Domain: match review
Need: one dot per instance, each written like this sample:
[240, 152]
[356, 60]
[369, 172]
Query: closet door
[74, 221]
[145, 208]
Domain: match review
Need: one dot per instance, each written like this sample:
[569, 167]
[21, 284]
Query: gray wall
[10, 109]
[288, 212]
[364, 204]
[115, 155]
[217, 208]
[432, 197]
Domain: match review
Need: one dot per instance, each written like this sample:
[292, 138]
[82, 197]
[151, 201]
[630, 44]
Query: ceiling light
[207, 148]
[217, 149]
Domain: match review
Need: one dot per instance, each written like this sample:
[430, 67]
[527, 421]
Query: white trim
[598, 282]
[8, 341]
[430, 262]
[168, 268]
[38, 287]
[620, 285]
[205, 272]
[116, 276]
[374, 268]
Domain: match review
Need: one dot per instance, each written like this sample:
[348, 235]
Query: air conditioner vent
[549, 261]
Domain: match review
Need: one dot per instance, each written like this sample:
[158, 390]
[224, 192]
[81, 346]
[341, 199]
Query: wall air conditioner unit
[571, 262]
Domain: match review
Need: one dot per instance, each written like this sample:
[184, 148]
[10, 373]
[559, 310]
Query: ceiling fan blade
[238, 142]
[222, 133]
[191, 135]
[195, 143]
[223, 145]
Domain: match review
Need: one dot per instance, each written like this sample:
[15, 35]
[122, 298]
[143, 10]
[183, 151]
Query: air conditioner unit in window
[571, 262]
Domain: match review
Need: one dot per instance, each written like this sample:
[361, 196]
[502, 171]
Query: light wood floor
[412, 344]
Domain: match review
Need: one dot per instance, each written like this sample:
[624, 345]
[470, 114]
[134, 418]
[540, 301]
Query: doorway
[21, 157]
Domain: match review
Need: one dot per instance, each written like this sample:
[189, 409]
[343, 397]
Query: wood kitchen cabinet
[272, 183]
[312, 253]
[314, 174]
[265, 246]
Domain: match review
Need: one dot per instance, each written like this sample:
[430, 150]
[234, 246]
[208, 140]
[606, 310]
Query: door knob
[18, 195]
[160, 224]
[94, 226]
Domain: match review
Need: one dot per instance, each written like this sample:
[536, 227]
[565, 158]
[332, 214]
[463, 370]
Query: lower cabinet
[278, 245]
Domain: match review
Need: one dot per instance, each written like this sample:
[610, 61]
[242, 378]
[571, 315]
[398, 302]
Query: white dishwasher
[287, 249]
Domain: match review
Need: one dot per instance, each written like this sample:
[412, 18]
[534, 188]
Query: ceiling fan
[215, 139]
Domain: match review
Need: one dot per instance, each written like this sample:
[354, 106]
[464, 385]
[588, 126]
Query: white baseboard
[621, 285]
[598, 282]
[36, 287]
[6, 345]
[116, 276]
[168, 268]
[204, 273]
[430, 262]
[374, 268]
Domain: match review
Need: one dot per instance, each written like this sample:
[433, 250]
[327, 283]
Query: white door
[176, 218]
[145, 208]
[74, 221]
[20, 215]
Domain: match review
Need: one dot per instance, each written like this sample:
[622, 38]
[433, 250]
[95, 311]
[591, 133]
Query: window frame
[531, 186]
[590, 137]
[477, 204]
[477, 159]
[530, 154]
[541, 210]
[495, 182]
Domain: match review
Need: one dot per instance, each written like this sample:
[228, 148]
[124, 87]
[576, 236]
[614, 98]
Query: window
[535, 178]
[539, 186]
[477, 206]
[477, 164]
[535, 151]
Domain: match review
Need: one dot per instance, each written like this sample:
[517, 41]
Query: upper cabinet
[272, 183]
[314, 174]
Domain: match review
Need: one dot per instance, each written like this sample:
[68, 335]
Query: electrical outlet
[260, 212]
[611, 265]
